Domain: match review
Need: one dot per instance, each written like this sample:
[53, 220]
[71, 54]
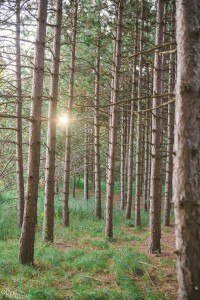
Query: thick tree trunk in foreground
[68, 129]
[26, 251]
[51, 134]
[155, 200]
[112, 124]
[186, 150]
[19, 150]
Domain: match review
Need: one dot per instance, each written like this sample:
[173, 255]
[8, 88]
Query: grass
[80, 264]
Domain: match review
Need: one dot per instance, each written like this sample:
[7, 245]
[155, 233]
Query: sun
[63, 119]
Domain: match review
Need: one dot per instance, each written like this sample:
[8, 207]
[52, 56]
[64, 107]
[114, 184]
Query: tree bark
[86, 164]
[147, 147]
[74, 187]
[131, 132]
[48, 227]
[112, 124]
[97, 163]
[155, 201]
[68, 129]
[139, 128]
[186, 150]
[19, 149]
[26, 251]
[122, 160]
[170, 131]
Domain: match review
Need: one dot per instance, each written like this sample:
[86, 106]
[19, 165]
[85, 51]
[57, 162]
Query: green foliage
[8, 225]
[95, 261]
[42, 294]
[99, 244]
[80, 183]
[81, 264]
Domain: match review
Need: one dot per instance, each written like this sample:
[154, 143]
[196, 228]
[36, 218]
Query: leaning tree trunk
[48, 227]
[26, 251]
[112, 124]
[186, 150]
[155, 201]
[19, 150]
[68, 129]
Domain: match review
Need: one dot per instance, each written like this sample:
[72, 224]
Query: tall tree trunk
[86, 164]
[155, 201]
[26, 251]
[48, 227]
[97, 163]
[131, 133]
[186, 150]
[19, 150]
[112, 124]
[170, 131]
[147, 146]
[74, 187]
[139, 127]
[126, 148]
[122, 161]
[150, 138]
[68, 129]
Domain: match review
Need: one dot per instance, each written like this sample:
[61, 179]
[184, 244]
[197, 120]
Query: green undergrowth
[81, 264]
[79, 183]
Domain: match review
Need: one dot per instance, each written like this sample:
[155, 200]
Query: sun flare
[63, 119]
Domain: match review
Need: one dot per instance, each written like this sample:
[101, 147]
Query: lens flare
[63, 120]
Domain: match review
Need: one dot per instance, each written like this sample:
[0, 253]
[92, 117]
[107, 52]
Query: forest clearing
[99, 149]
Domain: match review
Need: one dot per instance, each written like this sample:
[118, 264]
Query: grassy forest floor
[81, 264]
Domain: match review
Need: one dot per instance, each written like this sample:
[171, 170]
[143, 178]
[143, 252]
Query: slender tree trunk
[169, 166]
[155, 201]
[147, 146]
[142, 161]
[150, 138]
[68, 129]
[131, 135]
[112, 124]
[139, 128]
[122, 161]
[26, 251]
[170, 132]
[19, 150]
[74, 187]
[97, 163]
[126, 148]
[186, 150]
[86, 164]
[146, 160]
[48, 227]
